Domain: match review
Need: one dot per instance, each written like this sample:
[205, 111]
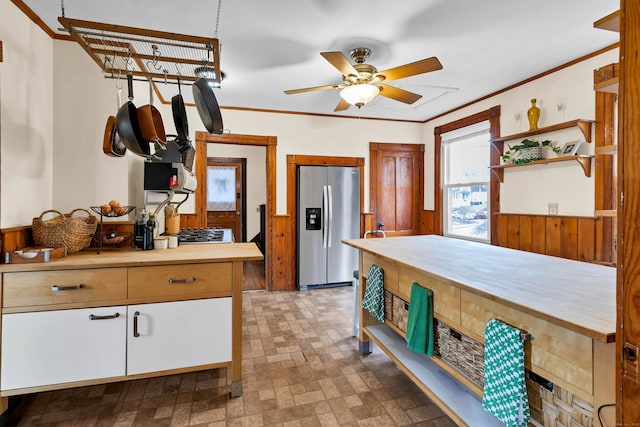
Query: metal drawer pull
[187, 280]
[94, 317]
[56, 288]
[135, 324]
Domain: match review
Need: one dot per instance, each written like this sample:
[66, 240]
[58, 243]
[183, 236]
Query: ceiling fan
[361, 82]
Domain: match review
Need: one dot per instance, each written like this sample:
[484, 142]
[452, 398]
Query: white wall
[529, 189]
[26, 119]
[55, 102]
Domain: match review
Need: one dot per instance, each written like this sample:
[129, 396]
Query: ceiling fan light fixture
[359, 94]
[209, 73]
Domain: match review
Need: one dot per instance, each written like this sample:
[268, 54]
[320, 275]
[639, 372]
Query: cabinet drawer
[389, 269]
[63, 287]
[181, 280]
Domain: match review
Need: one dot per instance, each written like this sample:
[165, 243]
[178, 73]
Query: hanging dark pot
[180, 117]
[128, 126]
[207, 106]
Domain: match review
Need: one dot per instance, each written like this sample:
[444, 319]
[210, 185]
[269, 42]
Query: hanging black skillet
[128, 126]
[207, 105]
[180, 117]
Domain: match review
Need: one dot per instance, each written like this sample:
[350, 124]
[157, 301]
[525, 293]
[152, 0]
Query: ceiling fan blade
[338, 60]
[398, 94]
[310, 89]
[342, 105]
[412, 69]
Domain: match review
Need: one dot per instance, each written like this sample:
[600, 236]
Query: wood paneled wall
[15, 238]
[569, 237]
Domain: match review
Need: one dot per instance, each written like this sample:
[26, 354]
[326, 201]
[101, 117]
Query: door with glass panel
[226, 194]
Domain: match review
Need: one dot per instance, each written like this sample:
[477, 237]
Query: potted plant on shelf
[527, 151]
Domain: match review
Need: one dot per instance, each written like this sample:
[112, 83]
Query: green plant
[510, 154]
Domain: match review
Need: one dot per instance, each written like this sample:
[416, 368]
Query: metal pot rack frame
[158, 56]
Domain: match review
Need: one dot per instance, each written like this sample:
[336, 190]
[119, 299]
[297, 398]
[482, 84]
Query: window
[465, 179]
[221, 188]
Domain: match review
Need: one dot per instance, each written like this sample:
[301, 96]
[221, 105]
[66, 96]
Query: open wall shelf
[610, 22]
[584, 125]
[584, 161]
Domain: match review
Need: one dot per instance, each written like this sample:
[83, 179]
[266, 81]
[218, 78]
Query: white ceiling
[269, 46]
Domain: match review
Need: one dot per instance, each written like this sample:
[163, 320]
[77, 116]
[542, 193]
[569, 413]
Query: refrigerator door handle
[329, 229]
[325, 211]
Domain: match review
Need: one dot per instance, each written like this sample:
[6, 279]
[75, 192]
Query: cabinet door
[180, 334]
[52, 347]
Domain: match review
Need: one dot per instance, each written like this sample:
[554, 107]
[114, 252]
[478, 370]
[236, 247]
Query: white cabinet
[53, 347]
[174, 335]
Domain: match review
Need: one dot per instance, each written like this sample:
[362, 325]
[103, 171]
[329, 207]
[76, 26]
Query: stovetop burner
[205, 235]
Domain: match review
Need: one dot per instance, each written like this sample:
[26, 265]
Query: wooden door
[226, 201]
[396, 186]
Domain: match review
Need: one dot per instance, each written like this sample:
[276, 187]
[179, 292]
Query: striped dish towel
[505, 389]
[374, 293]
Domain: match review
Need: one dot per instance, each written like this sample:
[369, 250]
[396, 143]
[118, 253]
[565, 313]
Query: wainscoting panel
[571, 237]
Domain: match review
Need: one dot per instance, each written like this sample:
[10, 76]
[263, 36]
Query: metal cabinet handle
[96, 317]
[135, 324]
[187, 280]
[56, 288]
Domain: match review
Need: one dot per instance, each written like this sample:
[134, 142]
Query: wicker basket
[71, 232]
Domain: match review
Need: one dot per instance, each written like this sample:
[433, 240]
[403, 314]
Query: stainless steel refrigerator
[328, 211]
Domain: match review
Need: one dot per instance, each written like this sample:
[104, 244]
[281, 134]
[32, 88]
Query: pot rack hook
[154, 61]
[166, 73]
[128, 60]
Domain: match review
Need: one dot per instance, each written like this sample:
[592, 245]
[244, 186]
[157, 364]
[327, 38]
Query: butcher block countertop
[185, 254]
[576, 295]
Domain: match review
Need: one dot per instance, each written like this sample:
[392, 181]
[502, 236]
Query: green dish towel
[374, 293]
[419, 334]
[505, 388]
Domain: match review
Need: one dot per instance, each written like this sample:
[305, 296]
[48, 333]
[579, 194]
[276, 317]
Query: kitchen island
[93, 318]
[567, 307]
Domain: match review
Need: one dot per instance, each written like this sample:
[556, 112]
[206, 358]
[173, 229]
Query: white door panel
[54, 347]
[178, 334]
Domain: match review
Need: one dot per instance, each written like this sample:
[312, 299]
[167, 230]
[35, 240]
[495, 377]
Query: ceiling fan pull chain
[62, 7]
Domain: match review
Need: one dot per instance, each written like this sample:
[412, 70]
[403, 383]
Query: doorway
[266, 276]
[226, 195]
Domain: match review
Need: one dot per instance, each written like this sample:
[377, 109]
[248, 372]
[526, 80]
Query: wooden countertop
[185, 254]
[577, 295]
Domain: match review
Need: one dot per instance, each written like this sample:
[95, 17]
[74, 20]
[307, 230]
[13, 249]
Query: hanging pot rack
[159, 56]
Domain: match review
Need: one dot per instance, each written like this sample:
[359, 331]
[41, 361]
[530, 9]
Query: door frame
[293, 161]
[270, 143]
[216, 161]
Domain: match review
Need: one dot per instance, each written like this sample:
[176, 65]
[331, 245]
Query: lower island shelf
[447, 392]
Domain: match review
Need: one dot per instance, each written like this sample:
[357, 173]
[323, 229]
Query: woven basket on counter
[65, 230]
